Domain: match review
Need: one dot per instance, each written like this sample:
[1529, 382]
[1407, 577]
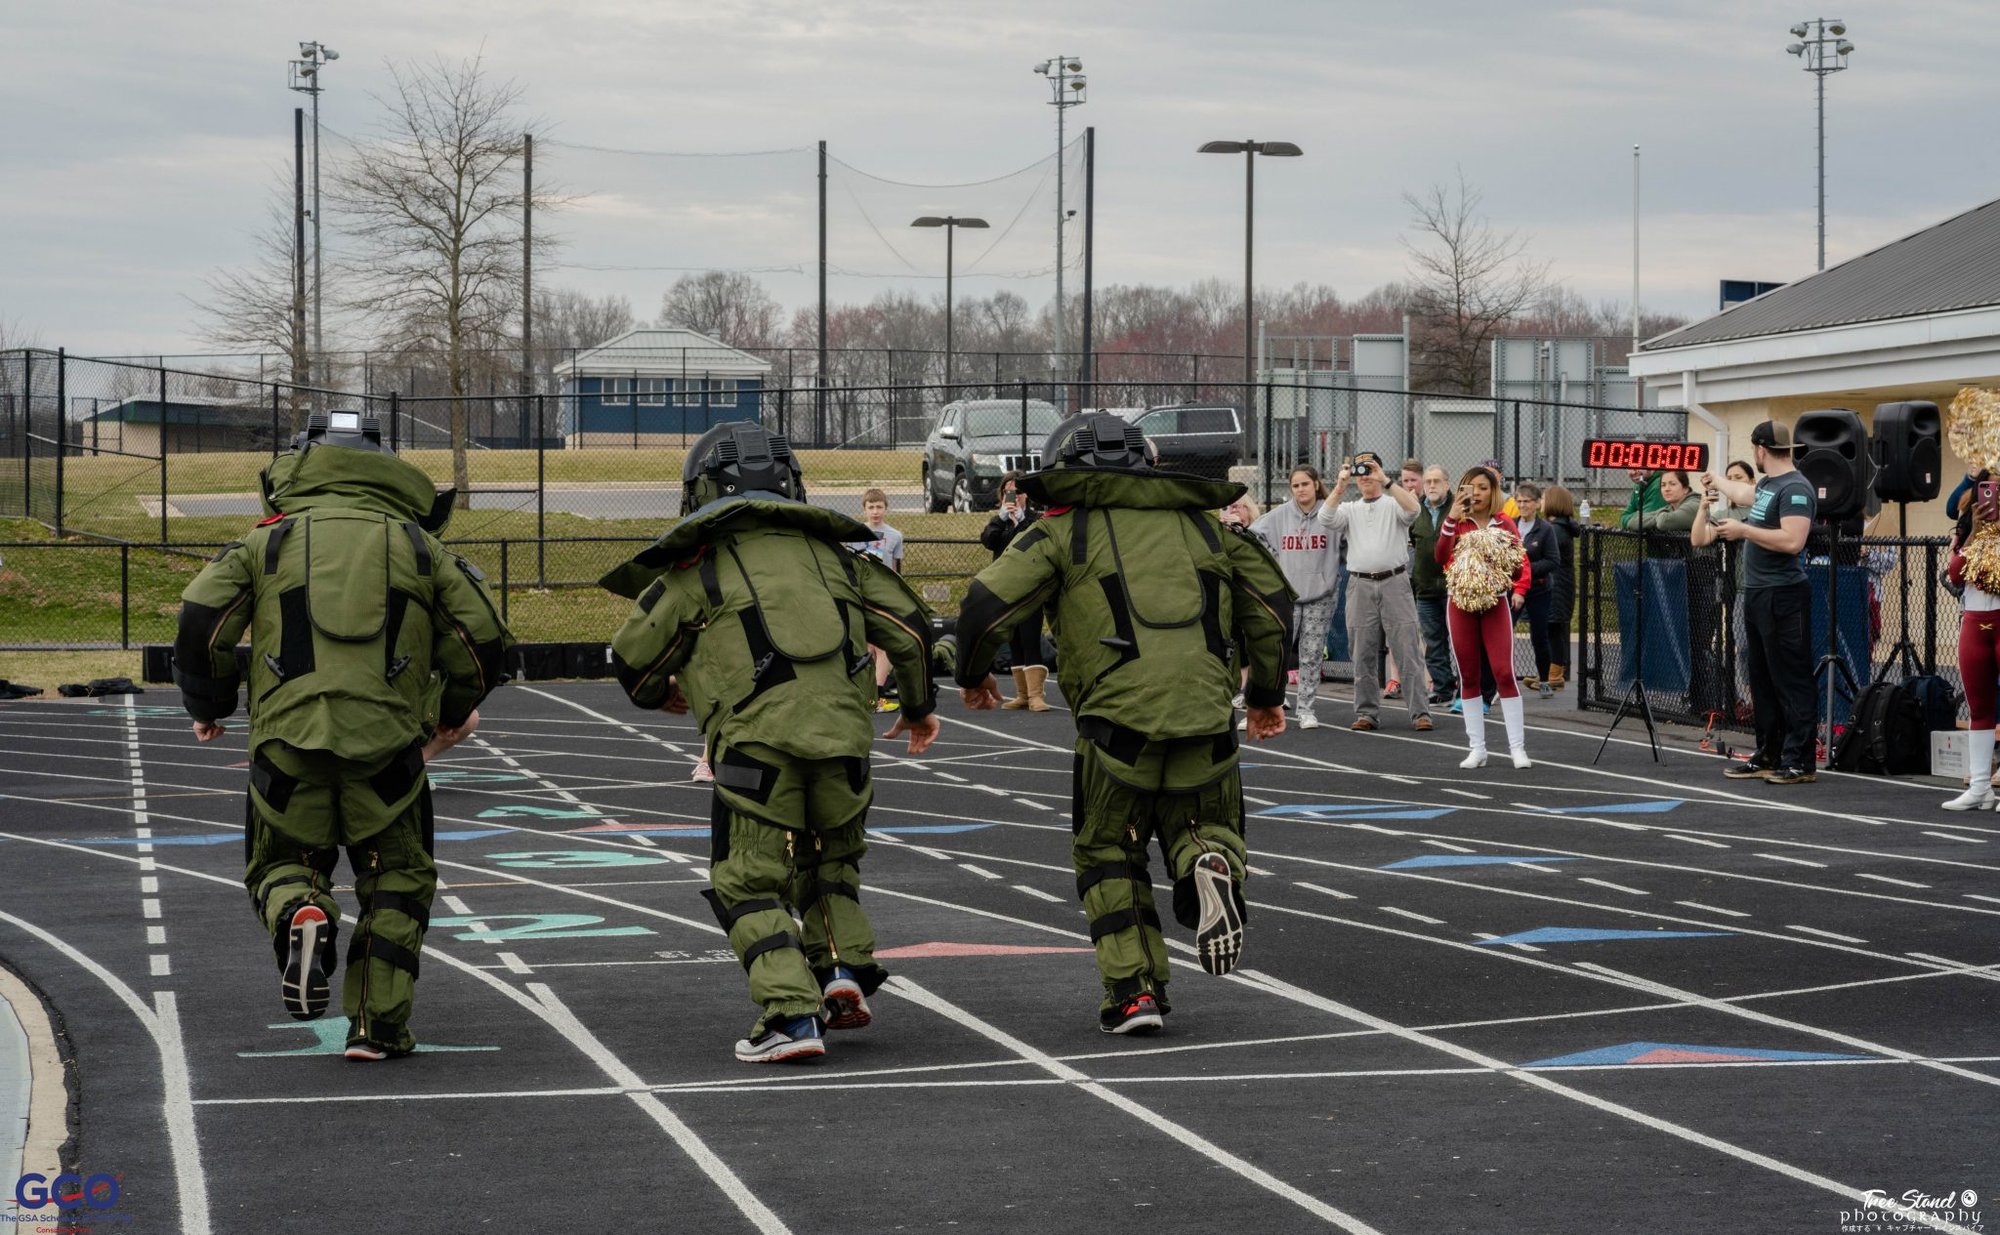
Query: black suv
[1205, 439]
[976, 441]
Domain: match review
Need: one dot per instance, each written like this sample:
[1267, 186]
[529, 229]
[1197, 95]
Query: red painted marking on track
[1679, 1056]
[921, 950]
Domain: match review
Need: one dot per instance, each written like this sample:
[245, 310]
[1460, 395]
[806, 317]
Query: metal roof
[668, 352]
[1950, 265]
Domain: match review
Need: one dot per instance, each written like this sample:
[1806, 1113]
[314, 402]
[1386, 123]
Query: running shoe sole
[366, 1052]
[1218, 936]
[1144, 1022]
[846, 1006]
[781, 1052]
[304, 987]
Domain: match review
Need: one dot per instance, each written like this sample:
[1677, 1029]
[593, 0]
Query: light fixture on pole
[1821, 50]
[314, 56]
[1250, 150]
[1066, 90]
[950, 224]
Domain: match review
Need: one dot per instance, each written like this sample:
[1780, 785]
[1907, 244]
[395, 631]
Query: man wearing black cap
[1777, 606]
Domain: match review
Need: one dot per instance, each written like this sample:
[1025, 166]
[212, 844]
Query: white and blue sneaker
[797, 1040]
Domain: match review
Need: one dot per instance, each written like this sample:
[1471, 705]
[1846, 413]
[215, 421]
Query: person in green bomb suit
[754, 612]
[351, 602]
[1154, 601]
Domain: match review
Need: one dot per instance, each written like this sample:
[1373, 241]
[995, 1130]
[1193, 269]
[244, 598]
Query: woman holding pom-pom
[1486, 582]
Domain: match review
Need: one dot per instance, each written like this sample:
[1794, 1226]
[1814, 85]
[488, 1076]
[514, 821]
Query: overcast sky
[138, 139]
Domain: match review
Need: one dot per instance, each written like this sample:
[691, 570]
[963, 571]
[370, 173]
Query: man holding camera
[1380, 605]
[1777, 604]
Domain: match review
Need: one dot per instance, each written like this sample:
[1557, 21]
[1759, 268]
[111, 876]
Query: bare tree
[434, 207]
[252, 306]
[723, 304]
[567, 319]
[1466, 283]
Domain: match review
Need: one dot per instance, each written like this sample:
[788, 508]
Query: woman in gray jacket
[1310, 556]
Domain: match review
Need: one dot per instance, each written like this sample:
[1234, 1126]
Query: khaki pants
[1378, 610]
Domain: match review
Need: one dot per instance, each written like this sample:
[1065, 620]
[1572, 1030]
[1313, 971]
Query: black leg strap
[827, 887]
[1134, 871]
[1129, 988]
[771, 943]
[273, 785]
[729, 915]
[370, 944]
[1122, 919]
[398, 902]
[264, 897]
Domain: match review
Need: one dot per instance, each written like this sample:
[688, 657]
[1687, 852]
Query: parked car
[975, 442]
[1205, 439]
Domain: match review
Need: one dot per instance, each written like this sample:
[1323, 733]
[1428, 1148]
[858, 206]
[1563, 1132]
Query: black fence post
[163, 456]
[124, 595]
[541, 494]
[274, 424]
[395, 409]
[1270, 417]
[503, 581]
[1517, 441]
[28, 434]
[62, 431]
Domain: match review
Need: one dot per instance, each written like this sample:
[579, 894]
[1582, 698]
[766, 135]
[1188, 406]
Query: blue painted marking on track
[1635, 1051]
[1336, 812]
[1469, 859]
[1659, 806]
[205, 838]
[1586, 934]
[331, 1039]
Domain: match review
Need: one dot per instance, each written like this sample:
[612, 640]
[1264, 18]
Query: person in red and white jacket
[1488, 634]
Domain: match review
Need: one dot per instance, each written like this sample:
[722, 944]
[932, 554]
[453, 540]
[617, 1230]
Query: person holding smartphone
[1482, 606]
[1024, 646]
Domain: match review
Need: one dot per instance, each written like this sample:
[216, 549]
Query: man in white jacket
[1380, 604]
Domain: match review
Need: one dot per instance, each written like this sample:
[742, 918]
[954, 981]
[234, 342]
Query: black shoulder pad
[1027, 539]
[652, 595]
[477, 575]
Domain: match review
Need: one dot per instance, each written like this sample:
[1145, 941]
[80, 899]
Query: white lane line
[1901, 883]
[1443, 844]
[1727, 913]
[457, 906]
[957, 780]
[1467, 793]
[1325, 891]
[1662, 990]
[1544, 1083]
[1813, 930]
[980, 871]
[149, 908]
[1405, 913]
[995, 791]
[160, 965]
[930, 853]
[1062, 1071]
[1779, 857]
[1525, 947]
[1615, 887]
[1946, 960]
[513, 963]
[146, 864]
[149, 885]
[1030, 802]
[1037, 893]
[1696, 840]
[1537, 867]
[1401, 780]
[156, 936]
[1970, 840]
[1974, 896]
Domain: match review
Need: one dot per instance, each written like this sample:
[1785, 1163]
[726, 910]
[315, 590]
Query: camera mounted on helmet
[353, 430]
[736, 458]
[1097, 440]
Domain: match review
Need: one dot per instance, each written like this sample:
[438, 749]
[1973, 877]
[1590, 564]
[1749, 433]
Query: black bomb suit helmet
[1098, 440]
[735, 458]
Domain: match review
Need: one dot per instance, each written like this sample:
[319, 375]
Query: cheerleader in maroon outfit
[1486, 630]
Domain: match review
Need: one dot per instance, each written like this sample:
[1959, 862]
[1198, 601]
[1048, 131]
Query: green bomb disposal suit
[351, 606]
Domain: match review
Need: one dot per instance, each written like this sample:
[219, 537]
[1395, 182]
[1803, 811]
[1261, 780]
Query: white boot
[1475, 732]
[1517, 730]
[1979, 794]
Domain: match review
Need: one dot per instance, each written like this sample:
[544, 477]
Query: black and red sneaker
[308, 960]
[1139, 1014]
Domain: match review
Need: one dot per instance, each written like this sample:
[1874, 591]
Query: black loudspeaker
[1907, 451]
[1832, 453]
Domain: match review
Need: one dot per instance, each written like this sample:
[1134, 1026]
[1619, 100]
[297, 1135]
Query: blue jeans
[1437, 645]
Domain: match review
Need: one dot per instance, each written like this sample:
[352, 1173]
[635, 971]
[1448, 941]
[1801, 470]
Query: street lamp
[314, 56]
[950, 224]
[1824, 52]
[1066, 90]
[1250, 150]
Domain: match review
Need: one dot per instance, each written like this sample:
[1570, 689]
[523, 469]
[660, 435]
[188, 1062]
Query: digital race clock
[1625, 452]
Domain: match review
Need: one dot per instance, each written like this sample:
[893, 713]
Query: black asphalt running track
[1629, 997]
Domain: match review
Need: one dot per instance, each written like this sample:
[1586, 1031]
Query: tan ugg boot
[1020, 699]
[1037, 675]
[1557, 676]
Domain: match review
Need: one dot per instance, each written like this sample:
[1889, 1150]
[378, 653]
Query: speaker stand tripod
[1635, 700]
[1831, 664]
[1905, 651]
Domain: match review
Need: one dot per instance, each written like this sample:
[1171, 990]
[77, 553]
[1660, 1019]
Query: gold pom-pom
[1482, 570]
[1972, 426]
[1982, 558]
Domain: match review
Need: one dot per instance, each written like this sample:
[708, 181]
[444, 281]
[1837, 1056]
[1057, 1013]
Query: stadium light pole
[1250, 150]
[314, 56]
[1066, 89]
[950, 224]
[1822, 53]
